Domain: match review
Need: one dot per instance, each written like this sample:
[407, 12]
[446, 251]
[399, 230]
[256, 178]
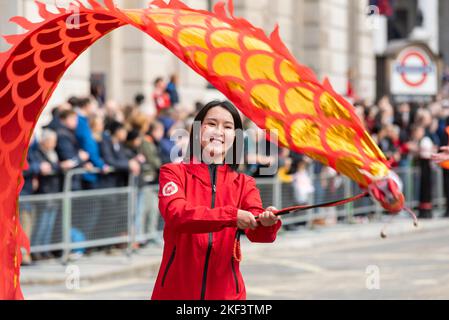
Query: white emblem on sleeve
[169, 189]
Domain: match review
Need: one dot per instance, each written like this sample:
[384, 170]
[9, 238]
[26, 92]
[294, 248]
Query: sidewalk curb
[126, 271]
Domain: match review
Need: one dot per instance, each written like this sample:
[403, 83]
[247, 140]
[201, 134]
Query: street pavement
[338, 262]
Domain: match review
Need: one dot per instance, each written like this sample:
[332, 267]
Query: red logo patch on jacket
[169, 189]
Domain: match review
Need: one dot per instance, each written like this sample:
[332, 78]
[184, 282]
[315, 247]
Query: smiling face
[217, 133]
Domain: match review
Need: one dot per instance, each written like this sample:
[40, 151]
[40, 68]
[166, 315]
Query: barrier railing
[72, 221]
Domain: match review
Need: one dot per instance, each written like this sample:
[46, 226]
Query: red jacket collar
[201, 170]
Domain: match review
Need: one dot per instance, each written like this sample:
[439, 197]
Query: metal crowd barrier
[72, 221]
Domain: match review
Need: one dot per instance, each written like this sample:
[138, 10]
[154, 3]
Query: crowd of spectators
[119, 141]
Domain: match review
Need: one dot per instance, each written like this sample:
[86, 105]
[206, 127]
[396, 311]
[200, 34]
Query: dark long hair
[236, 151]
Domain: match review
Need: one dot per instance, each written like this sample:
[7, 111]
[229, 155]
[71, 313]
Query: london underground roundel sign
[414, 73]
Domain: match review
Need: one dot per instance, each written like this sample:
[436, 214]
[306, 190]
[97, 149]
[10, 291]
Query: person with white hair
[49, 181]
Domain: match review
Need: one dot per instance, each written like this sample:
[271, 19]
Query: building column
[444, 25]
[326, 40]
[428, 31]
[429, 9]
[144, 59]
[379, 27]
[361, 49]
[297, 29]
[107, 58]
[192, 87]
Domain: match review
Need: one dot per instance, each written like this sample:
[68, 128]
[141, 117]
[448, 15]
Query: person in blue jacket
[87, 142]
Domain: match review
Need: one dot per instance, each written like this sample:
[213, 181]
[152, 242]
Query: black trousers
[425, 191]
[446, 190]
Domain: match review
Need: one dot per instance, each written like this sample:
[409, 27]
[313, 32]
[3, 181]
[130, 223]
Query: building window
[406, 16]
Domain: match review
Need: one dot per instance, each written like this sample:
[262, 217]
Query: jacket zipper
[209, 246]
[235, 276]
[172, 257]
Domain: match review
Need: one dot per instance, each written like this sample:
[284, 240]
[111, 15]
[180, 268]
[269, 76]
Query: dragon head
[388, 192]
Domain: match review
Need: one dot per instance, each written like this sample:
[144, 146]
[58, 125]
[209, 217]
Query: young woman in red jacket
[204, 204]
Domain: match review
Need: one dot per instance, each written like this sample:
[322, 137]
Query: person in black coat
[132, 150]
[404, 117]
[27, 208]
[116, 156]
[55, 122]
[444, 142]
[115, 211]
[68, 147]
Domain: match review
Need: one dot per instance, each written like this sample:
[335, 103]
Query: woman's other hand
[245, 220]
